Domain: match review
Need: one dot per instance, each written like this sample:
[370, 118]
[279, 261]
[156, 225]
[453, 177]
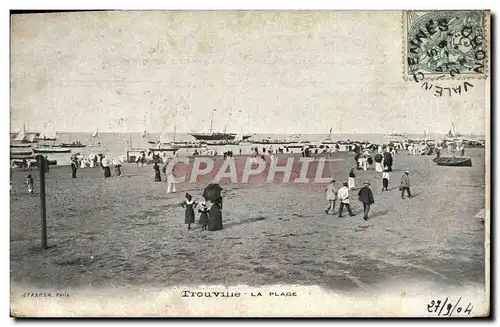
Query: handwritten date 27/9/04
[448, 308]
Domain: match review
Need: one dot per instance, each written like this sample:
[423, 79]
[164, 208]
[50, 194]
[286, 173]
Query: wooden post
[41, 168]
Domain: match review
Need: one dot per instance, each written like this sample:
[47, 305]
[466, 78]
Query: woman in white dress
[171, 181]
[351, 182]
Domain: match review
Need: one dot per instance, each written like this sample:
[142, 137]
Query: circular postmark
[446, 42]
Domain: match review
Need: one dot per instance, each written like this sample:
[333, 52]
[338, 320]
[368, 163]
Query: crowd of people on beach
[384, 163]
[100, 160]
[379, 156]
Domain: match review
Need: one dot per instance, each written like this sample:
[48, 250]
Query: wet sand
[129, 231]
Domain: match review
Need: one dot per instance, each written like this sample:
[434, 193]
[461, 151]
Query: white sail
[30, 138]
[238, 137]
[165, 138]
[21, 134]
[95, 133]
[47, 133]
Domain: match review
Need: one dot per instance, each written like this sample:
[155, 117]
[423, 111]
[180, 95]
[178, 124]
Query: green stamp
[445, 44]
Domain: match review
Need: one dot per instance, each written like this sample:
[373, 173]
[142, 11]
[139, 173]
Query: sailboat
[328, 139]
[21, 135]
[92, 142]
[19, 141]
[144, 134]
[452, 135]
[47, 135]
[239, 138]
[165, 142]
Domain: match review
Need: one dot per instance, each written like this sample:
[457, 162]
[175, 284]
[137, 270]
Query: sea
[114, 145]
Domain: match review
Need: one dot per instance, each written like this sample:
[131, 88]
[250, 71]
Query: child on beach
[29, 183]
[203, 210]
[385, 180]
[189, 204]
[331, 197]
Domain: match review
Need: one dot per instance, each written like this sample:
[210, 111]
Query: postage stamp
[249, 164]
[445, 44]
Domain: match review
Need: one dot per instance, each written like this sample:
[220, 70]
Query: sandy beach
[128, 231]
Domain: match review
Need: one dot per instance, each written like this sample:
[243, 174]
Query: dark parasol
[212, 192]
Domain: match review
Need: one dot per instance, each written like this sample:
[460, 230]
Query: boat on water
[163, 149]
[47, 135]
[21, 156]
[188, 145]
[75, 144]
[217, 136]
[452, 135]
[328, 139]
[23, 137]
[297, 145]
[45, 138]
[269, 141]
[20, 145]
[453, 161]
[51, 150]
[165, 143]
[21, 153]
[395, 134]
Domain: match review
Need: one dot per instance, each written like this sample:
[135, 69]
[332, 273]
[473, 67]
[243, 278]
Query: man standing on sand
[74, 166]
[344, 200]
[331, 197]
[366, 197]
[405, 184]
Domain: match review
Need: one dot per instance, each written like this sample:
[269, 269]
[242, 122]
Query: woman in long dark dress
[105, 167]
[388, 161]
[203, 210]
[189, 204]
[156, 169]
[215, 216]
[74, 166]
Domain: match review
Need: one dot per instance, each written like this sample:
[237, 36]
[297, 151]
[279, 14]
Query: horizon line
[257, 133]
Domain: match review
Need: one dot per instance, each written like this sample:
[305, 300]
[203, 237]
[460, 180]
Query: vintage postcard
[250, 164]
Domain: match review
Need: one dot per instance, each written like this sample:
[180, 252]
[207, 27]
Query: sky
[260, 72]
